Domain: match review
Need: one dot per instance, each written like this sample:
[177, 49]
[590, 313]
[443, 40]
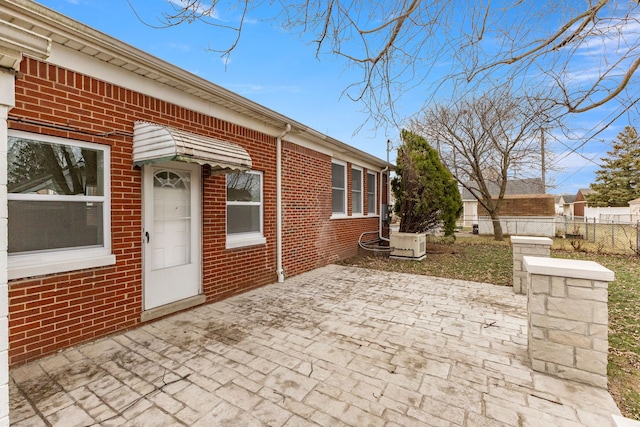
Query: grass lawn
[481, 259]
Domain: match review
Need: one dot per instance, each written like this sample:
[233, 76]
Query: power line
[573, 149]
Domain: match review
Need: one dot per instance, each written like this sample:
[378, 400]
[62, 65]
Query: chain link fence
[605, 234]
[592, 234]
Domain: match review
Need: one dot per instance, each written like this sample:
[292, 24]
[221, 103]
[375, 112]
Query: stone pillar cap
[530, 240]
[571, 268]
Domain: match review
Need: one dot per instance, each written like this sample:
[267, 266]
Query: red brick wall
[307, 194]
[52, 312]
[524, 205]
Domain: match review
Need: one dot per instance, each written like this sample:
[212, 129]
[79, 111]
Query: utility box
[386, 214]
[408, 246]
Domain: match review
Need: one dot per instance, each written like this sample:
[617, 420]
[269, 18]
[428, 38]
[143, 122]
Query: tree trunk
[497, 227]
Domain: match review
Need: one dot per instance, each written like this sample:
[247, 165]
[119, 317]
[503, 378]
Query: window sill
[356, 216]
[21, 266]
[243, 241]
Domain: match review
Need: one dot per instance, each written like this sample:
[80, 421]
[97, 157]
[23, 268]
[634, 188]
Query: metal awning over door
[156, 143]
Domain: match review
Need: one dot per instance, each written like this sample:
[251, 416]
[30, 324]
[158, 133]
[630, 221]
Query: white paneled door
[171, 235]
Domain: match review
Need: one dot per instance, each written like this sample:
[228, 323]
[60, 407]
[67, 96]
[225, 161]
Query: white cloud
[615, 39]
[249, 20]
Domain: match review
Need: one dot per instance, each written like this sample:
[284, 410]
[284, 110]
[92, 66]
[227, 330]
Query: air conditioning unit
[409, 246]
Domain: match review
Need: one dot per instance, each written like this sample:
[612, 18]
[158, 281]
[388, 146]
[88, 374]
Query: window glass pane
[171, 239]
[356, 191]
[243, 187]
[337, 201]
[35, 226]
[356, 180]
[243, 219]
[337, 176]
[36, 167]
[244, 204]
[356, 203]
[170, 179]
[371, 183]
[371, 193]
[371, 204]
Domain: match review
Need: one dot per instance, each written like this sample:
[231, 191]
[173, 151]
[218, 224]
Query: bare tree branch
[430, 45]
[487, 141]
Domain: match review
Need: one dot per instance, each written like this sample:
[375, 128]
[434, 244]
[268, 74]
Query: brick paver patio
[335, 346]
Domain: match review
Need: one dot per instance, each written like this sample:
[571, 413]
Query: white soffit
[154, 143]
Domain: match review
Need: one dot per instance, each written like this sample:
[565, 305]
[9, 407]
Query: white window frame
[68, 259]
[239, 240]
[354, 192]
[344, 190]
[374, 192]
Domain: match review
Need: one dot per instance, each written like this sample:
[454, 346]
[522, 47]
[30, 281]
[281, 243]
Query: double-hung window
[59, 205]
[371, 193]
[338, 188]
[356, 191]
[244, 209]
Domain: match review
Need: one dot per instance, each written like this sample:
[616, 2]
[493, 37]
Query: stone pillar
[567, 326]
[526, 246]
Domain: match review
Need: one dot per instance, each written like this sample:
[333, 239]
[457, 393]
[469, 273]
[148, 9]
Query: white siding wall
[621, 214]
[520, 225]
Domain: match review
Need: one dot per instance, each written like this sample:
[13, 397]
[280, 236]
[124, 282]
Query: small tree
[618, 180]
[426, 193]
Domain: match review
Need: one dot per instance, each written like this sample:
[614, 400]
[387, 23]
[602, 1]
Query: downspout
[386, 169]
[279, 269]
[380, 236]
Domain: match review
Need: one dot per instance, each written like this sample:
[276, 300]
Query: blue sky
[281, 72]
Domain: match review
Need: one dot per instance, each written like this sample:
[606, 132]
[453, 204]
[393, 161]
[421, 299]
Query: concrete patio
[336, 346]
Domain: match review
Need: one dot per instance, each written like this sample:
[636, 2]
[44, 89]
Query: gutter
[279, 269]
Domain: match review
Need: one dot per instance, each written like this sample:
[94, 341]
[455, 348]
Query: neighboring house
[522, 214]
[580, 201]
[137, 189]
[558, 202]
[566, 203]
[514, 187]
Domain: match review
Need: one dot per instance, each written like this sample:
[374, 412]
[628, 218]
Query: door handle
[146, 234]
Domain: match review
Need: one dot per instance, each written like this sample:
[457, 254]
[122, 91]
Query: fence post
[613, 233]
[586, 227]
